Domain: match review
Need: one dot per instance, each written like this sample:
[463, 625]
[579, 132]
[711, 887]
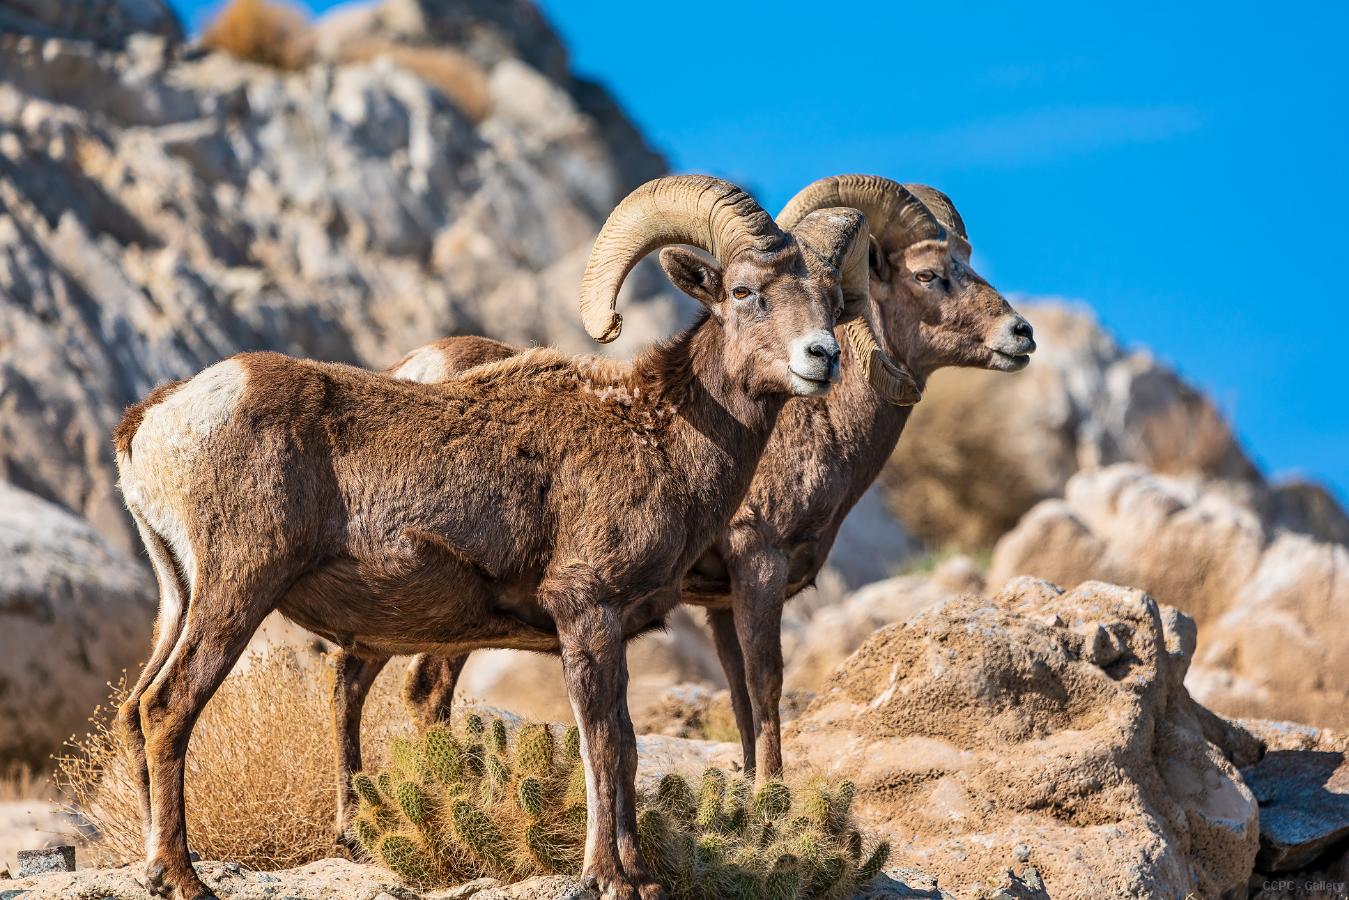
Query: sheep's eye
[740, 293]
[926, 276]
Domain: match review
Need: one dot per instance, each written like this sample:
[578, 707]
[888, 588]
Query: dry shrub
[1186, 438]
[454, 74]
[19, 782]
[690, 711]
[260, 768]
[262, 32]
[958, 478]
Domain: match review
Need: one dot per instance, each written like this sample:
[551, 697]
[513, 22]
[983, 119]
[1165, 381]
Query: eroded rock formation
[1044, 729]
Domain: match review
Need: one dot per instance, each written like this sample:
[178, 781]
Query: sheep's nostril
[1022, 329]
[820, 351]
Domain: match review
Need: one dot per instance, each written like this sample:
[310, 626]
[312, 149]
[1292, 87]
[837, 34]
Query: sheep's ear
[698, 277]
[880, 266]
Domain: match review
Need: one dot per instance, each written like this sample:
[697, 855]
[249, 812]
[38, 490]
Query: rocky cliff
[162, 207]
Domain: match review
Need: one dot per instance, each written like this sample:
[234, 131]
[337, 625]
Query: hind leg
[355, 675]
[168, 627]
[428, 690]
[220, 620]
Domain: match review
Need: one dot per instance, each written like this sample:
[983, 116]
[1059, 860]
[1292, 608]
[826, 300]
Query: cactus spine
[534, 750]
[407, 857]
[477, 833]
[412, 803]
[444, 756]
[531, 796]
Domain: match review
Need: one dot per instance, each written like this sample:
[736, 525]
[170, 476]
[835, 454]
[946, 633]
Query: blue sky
[1181, 168]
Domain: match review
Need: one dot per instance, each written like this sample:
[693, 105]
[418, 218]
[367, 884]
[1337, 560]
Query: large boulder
[1043, 727]
[1267, 600]
[821, 629]
[73, 614]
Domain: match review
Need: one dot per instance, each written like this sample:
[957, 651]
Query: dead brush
[261, 32]
[19, 782]
[1186, 438]
[454, 74]
[456, 806]
[259, 772]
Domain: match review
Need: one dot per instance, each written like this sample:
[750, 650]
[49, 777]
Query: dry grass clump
[19, 782]
[265, 33]
[260, 769]
[485, 802]
[691, 712]
[958, 478]
[454, 74]
[1186, 438]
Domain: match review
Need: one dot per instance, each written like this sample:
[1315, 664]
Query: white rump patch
[426, 365]
[169, 437]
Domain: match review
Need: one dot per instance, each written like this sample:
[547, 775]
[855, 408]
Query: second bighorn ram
[544, 502]
[933, 310]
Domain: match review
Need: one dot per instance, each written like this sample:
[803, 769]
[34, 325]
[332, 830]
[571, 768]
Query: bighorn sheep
[543, 502]
[934, 311]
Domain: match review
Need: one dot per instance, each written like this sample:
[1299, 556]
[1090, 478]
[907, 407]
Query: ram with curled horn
[542, 502]
[928, 307]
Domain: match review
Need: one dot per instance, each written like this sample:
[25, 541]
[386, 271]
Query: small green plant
[488, 802]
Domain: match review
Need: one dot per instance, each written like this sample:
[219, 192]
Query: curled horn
[895, 215]
[705, 212]
[889, 209]
[943, 209]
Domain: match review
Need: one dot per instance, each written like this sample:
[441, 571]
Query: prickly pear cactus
[483, 800]
[479, 801]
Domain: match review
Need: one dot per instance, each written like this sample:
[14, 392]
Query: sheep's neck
[866, 427]
[718, 428]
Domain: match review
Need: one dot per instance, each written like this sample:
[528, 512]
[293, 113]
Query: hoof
[157, 883]
[154, 881]
[619, 890]
[348, 844]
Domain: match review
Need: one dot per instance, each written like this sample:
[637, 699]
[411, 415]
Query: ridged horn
[705, 212]
[891, 381]
[896, 215]
[943, 209]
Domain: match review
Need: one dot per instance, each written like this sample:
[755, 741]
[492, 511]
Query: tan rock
[73, 614]
[1057, 723]
[327, 879]
[1263, 598]
[31, 824]
[820, 632]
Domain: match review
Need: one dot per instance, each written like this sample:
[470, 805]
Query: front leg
[595, 668]
[759, 591]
